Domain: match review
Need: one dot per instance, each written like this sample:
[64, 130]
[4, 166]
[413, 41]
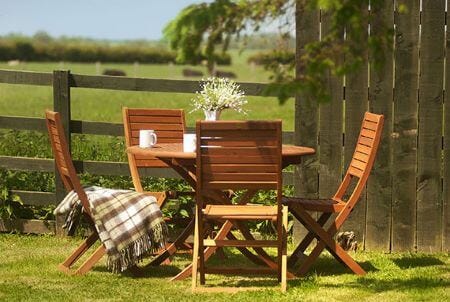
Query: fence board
[405, 128]
[27, 226]
[154, 85]
[35, 198]
[330, 132]
[26, 77]
[306, 112]
[429, 211]
[379, 187]
[22, 123]
[446, 182]
[26, 164]
[356, 98]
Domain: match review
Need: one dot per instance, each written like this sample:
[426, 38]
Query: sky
[98, 19]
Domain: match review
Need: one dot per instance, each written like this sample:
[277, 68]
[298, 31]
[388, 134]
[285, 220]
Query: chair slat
[243, 151]
[157, 112]
[232, 133]
[239, 159]
[156, 126]
[238, 142]
[368, 133]
[240, 176]
[240, 185]
[363, 149]
[365, 141]
[244, 168]
[155, 119]
[162, 134]
[361, 157]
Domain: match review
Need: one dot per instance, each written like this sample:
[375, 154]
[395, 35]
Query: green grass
[28, 273]
[105, 105]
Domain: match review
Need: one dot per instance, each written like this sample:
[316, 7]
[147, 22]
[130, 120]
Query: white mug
[147, 138]
[189, 142]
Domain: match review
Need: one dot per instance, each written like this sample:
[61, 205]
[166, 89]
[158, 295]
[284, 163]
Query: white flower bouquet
[217, 94]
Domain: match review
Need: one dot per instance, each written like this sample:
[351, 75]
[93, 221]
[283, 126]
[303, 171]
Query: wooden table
[184, 164]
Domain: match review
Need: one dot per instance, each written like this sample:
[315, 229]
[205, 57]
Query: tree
[206, 28]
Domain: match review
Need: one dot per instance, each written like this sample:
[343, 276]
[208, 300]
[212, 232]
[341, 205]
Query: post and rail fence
[63, 81]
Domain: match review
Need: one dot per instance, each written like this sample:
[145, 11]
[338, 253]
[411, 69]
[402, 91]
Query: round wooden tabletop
[291, 154]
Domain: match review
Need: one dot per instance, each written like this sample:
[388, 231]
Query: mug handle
[155, 138]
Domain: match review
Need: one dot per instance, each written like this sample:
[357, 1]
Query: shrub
[270, 57]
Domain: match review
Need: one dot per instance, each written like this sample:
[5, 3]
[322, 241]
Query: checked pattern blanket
[129, 224]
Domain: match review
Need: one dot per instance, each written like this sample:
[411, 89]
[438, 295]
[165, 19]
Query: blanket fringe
[137, 250]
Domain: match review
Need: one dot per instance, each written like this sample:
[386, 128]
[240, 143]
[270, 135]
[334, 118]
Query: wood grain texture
[306, 176]
[356, 103]
[446, 176]
[330, 131]
[36, 198]
[26, 77]
[379, 186]
[405, 128]
[429, 157]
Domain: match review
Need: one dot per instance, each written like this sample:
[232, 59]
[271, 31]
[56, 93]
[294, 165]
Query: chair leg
[284, 250]
[195, 254]
[93, 259]
[325, 240]
[201, 249]
[66, 265]
[303, 245]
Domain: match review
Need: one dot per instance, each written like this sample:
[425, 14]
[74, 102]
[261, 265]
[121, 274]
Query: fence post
[61, 104]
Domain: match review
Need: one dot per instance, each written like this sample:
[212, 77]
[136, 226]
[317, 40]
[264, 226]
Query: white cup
[147, 138]
[189, 142]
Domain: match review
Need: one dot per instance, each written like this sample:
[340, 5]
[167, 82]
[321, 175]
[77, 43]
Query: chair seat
[319, 205]
[238, 212]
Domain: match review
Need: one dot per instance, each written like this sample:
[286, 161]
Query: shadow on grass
[327, 266]
[417, 261]
[396, 284]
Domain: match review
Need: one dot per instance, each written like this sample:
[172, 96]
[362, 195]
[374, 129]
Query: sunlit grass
[28, 272]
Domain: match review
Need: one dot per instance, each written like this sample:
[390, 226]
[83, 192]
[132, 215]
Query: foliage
[10, 204]
[342, 49]
[268, 58]
[217, 94]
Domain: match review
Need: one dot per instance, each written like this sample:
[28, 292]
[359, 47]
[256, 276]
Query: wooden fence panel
[330, 132]
[446, 182]
[405, 128]
[379, 187]
[429, 195]
[356, 103]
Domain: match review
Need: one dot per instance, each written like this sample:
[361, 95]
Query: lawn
[28, 273]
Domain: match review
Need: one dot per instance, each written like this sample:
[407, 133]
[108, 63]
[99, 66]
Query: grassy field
[28, 273]
[105, 105]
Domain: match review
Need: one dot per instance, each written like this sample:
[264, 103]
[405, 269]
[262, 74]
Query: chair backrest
[363, 158]
[63, 160]
[239, 155]
[169, 126]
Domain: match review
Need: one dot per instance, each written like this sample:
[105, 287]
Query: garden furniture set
[245, 156]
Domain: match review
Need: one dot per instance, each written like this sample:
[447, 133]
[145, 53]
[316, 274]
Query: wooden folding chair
[238, 155]
[169, 126]
[360, 167]
[71, 181]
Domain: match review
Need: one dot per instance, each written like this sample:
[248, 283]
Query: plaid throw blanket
[129, 223]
